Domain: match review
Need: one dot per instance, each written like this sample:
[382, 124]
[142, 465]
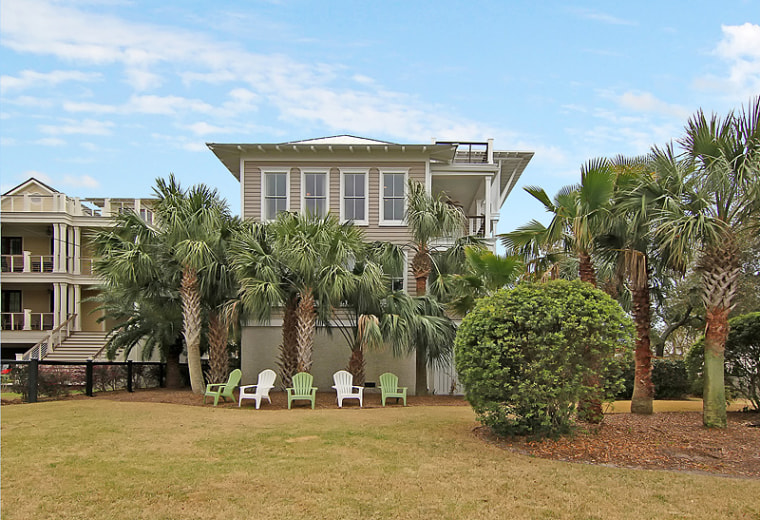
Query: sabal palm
[139, 292]
[715, 215]
[307, 265]
[428, 218]
[191, 221]
[578, 212]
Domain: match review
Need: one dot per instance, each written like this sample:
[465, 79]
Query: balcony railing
[476, 225]
[27, 320]
[27, 263]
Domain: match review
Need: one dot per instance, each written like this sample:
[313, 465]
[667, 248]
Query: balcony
[471, 152]
[26, 320]
[27, 263]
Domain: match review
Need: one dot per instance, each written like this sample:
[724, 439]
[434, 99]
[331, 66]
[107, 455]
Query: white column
[77, 250]
[106, 211]
[78, 307]
[57, 248]
[487, 232]
[56, 304]
[490, 151]
[27, 319]
[27, 262]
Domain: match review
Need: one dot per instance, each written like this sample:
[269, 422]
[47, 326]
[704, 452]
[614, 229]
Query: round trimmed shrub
[523, 355]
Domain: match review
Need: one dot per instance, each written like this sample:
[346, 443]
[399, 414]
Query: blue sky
[99, 98]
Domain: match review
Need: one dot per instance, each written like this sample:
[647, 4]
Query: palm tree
[191, 220]
[467, 274]
[715, 215]
[428, 218]
[304, 266]
[140, 292]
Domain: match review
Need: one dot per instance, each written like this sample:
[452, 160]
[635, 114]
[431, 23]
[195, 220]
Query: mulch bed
[670, 440]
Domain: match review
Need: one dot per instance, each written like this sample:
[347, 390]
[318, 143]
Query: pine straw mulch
[674, 441]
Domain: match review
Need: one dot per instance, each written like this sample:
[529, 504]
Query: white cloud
[647, 102]
[203, 128]
[71, 127]
[29, 101]
[145, 104]
[28, 79]
[740, 47]
[82, 181]
[590, 14]
[50, 141]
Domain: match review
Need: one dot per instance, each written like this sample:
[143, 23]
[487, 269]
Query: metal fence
[53, 379]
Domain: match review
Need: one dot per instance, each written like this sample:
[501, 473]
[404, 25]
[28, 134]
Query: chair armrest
[242, 388]
[358, 387]
[209, 386]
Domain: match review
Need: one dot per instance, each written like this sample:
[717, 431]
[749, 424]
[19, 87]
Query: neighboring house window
[314, 189]
[12, 255]
[275, 194]
[392, 197]
[354, 188]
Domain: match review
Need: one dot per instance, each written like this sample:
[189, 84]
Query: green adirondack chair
[302, 389]
[223, 390]
[389, 388]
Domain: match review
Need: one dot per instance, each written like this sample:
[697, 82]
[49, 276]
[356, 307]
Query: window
[397, 280]
[392, 197]
[314, 188]
[354, 197]
[12, 251]
[275, 194]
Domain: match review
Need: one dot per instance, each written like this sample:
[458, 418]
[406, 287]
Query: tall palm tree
[428, 218]
[716, 216]
[140, 292]
[191, 220]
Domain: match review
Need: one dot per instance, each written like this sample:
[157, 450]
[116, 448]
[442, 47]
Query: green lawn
[106, 459]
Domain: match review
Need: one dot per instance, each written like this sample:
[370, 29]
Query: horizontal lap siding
[394, 234]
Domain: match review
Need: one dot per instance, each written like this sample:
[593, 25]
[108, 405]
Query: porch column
[27, 319]
[57, 248]
[56, 304]
[77, 250]
[487, 207]
[78, 307]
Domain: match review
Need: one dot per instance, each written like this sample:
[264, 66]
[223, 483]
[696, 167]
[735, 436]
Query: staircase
[79, 346]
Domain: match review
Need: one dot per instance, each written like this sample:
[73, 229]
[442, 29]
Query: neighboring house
[364, 181]
[47, 262]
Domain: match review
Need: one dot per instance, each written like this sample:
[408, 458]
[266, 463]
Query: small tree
[525, 355]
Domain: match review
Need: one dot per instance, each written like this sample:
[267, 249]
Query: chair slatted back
[343, 379]
[389, 382]
[302, 383]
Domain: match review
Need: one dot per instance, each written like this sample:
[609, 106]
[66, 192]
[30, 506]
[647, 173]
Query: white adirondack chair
[344, 386]
[262, 388]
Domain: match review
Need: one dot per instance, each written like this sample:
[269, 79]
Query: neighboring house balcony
[26, 320]
[59, 203]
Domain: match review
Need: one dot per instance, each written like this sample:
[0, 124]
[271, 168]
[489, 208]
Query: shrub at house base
[523, 355]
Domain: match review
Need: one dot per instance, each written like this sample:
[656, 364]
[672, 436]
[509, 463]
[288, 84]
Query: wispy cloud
[81, 181]
[72, 127]
[647, 102]
[597, 16]
[740, 48]
[28, 79]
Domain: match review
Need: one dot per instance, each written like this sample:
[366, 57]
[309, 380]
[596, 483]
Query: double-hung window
[392, 197]
[354, 188]
[314, 186]
[274, 193]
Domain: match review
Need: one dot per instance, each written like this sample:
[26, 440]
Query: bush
[742, 360]
[523, 355]
[669, 378]
[52, 381]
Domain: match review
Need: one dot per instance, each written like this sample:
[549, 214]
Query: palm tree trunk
[307, 325]
[421, 268]
[643, 389]
[288, 358]
[191, 320]
[218, 357]
[714, 395]
[589, 409]
[356, 364]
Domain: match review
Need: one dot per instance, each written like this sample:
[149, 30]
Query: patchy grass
[675, 405]
[105, 459]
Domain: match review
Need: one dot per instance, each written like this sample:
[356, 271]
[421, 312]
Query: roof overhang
[230, 154]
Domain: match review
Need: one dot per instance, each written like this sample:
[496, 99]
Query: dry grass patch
[104, 459]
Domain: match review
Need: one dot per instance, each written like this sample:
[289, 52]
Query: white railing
[12, 263]
[12, 320]
[27, 320]
[40, 264]
[51, 341]
[85, 265]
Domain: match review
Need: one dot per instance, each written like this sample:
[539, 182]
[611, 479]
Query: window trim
[326, 172]
[404, 274]
[343, 173]
[263, 187]
[381, 199]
